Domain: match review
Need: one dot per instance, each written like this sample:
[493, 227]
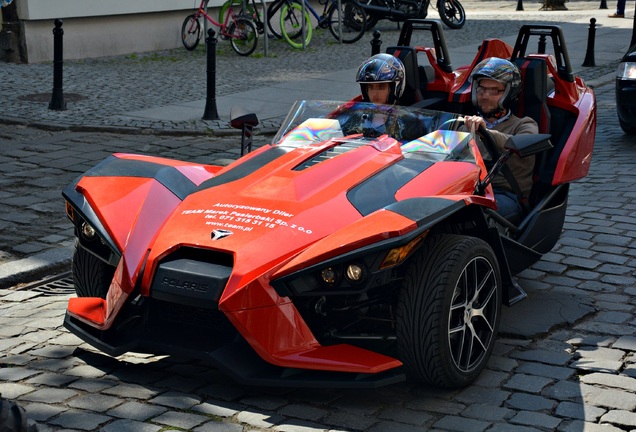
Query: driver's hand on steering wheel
[474, 121]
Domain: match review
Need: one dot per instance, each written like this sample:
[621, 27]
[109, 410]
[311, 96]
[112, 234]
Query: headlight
[626, 71]
[88, 231]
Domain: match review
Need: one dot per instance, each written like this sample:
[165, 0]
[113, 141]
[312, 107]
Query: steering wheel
[489, 143]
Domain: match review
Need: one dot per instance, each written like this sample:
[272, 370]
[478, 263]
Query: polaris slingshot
[340, 255]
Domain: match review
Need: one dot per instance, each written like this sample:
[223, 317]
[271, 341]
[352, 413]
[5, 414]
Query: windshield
[423, 134]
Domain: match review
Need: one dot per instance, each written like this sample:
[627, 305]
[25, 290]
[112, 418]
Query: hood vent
[340, 148]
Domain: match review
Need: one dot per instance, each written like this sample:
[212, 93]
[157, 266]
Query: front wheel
[449, 310]
[452, 13]
[348, 22]
[91, 275]
[291, 25]
[243, 36]
[191, 32]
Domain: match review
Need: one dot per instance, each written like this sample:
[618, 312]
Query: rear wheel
[452, 13]
[627, 128]
[191, 32]
[350, 23]
[244, 36]
[273, 17]
[449, 310]
[291, 25]
[91, 275]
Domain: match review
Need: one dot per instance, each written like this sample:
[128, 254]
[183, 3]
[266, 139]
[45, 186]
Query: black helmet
[501, 71]
[382, 68]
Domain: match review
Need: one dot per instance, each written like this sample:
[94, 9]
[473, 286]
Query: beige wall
[97, 28]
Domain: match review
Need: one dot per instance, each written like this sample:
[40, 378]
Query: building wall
[97, 28]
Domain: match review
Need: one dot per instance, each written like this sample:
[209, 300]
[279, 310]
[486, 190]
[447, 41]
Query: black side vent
[340, 148]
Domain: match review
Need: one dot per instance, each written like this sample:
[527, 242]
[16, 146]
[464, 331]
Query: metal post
[541, 47]
[603, 4]
[265, 28]
[376, 43]
[519, 5]
[57, 97]
[210, 112]
[589, 54]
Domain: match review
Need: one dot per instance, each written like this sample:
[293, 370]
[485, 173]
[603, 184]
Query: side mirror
[242, 119]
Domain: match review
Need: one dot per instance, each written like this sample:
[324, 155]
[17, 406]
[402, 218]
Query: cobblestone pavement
[578, 377]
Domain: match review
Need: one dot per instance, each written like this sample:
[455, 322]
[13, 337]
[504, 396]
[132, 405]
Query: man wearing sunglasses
[496, 84]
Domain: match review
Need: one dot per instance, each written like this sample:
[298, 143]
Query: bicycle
[239, 29]
[284, 20]
[244, 7]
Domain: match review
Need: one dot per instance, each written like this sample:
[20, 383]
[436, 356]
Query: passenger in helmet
[496, 84]
[381, 79]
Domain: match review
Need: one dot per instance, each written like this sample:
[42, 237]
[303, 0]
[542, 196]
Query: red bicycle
[239, 29]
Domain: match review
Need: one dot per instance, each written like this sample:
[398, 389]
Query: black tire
[13, 418]
[452, 13]
[91, 275]
[244, 36]
[450, 300]
[190, 32]
[273, 17]
[352, 24]
[627, 128]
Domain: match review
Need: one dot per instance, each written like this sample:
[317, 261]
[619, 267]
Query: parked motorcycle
[450, 11]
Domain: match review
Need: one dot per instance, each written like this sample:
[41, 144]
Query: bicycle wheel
[191, 32]
[237, 6]
[291, 26]
[244, 36]
[273, 17]
[452, 13]
[350, 23]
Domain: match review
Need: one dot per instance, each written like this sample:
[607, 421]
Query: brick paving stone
[305, 412]
[487, 412]
[130, 426]
[92, 385]
[536, 419]
[579, 411]
[620, 418]
[387, 426]
[543, 356]
[266, 420]
[501, 363]
[474, 394]
[176, 400]
[268, 403]
[529, 402]
[16, 373]
[41, 412]
[453, 423]
[135, 391]
[507, 427]
[180, 419]
[578, 426]
[540, 369]
[614, 399]
[609, 380]
[95, 402]
[527, 383]
[213, 426]
[136, 411]
[51, 379]
[49, 395]
[404, 415]
[627, 343]
[490, 379]
[75, 419]
[437, 405]
[218, 409]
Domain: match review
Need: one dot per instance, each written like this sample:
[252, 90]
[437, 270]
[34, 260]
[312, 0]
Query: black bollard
[519, 5]
[541, 45]
[589, 54]
[603, 4]
[376, 43]
[210, 112]
[57, 97]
